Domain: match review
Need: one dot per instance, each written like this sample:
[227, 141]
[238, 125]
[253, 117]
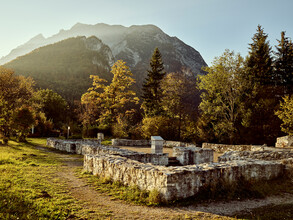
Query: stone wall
[177, 144]
[179, 182]
[222, 148]
[288, 167]
[128, 142]
[193, 155]
[286, 141]
[84, 147]
[281, 155]
[273, 154]
[71, 145]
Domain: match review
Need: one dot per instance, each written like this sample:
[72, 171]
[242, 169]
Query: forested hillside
[65, 66]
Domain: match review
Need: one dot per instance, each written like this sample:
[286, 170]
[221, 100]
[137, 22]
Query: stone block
[100, 136]
[193, 155]
[157, 144]
[127, 142]
[286, 141]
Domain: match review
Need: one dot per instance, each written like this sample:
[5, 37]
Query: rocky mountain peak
[134, 44]
[37, 38]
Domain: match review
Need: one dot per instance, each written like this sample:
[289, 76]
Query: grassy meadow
[29, 184]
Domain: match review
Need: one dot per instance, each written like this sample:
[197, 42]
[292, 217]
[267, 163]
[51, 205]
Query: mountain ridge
[115, 36]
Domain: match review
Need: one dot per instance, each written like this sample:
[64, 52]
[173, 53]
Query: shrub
[154, 197]
[156, 126]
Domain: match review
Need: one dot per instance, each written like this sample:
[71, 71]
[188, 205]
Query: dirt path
[93, 200]
[115, 209]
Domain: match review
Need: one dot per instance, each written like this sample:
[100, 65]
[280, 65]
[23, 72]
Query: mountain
[134, 45]
[66, 66]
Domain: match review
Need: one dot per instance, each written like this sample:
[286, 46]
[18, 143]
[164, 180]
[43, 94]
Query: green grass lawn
[29, 186]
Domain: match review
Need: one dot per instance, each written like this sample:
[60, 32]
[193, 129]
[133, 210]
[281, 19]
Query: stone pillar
[100, 136]
[157, 145]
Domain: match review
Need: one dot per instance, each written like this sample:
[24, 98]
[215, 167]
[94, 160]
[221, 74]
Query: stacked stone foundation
[193, 155]
[94, 147]
[128, 142]
[283, 156]
[179, 182]
[221, 148]
[149, 171]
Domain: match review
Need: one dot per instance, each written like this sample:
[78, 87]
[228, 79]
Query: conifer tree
[283, 64]
[152, 92]
[259, 59]
[262, 125]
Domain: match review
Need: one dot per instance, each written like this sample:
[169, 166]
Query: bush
[157, 126]
[127, 126]
[154, 197]
[120, 130]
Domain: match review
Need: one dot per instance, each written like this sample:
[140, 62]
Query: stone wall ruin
[193, 155]
[149, 171]
[179, 182]
[85, 147]
[221, 148]
[128, 142]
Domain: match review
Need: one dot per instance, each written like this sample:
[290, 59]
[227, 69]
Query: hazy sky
[210, 26]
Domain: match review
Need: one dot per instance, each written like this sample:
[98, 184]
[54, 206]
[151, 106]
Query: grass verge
[120, 191]
[30, 187]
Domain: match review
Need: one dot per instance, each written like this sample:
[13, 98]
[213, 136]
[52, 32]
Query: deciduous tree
[53, 105]
[15, 93]
[285, 113]
[111, 100]
[224, 92]
[178, 91]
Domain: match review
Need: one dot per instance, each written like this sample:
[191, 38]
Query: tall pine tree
[283, 64]
[152, 91]
[259, 59]
[263, 125]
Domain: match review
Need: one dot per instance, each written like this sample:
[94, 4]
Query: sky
[209, 26]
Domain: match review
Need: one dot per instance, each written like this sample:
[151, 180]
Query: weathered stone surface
[222, 148]
[286, 141]
[157, 144]
[288, 167]
[100, 136]
[95, 148]
[284, 156]
[177, 144]
[193, 155]
[127, 142]
[273, 154]
[179, 182]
